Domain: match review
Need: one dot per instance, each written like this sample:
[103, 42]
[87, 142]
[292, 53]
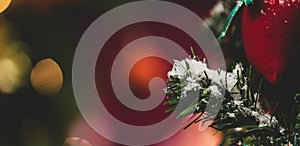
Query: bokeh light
[4, 4]
[46, 77]
[14, 61]
[76, 141]
[80, 128]
[7, 76]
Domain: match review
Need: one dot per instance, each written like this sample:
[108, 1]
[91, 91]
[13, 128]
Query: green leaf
[170, 110]
[171, 101]
[187, 111]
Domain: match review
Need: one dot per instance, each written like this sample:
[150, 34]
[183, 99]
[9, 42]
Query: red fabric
[270, 33]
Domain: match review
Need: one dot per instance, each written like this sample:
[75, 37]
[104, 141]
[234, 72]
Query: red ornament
[270, 32]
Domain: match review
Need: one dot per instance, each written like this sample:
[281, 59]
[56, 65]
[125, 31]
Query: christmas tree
[259, 104]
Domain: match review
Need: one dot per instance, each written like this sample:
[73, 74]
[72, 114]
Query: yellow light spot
[8, 75]
[14, 70]
[4, 4]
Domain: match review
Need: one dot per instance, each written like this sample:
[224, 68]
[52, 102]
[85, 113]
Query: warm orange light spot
[4, 4]
[143, 71]
[76, 141]
[46, 77]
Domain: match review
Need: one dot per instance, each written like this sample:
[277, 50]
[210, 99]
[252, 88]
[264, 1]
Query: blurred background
[38, 39]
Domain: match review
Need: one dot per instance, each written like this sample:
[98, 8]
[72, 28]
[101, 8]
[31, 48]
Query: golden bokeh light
[76, 141]
[46, 77]
[14, 61]
[4, 5]
[14, 66]
[7, 75]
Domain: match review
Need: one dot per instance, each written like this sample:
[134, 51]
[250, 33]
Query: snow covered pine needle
[239, 107]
